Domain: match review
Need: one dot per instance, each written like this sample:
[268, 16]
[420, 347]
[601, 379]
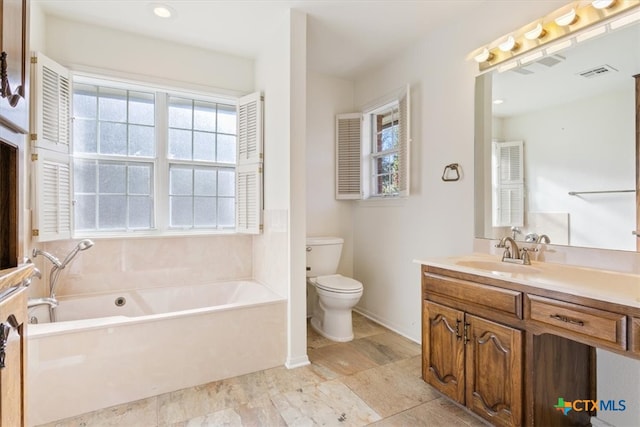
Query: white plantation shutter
[51, 154]
[250, 128]
[249, 170]
[404, 143]
[348, 156]
[52, 183]
[508, 184]
[52, 99]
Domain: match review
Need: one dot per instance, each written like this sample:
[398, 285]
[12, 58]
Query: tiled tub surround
[162, 340]
[144, 262]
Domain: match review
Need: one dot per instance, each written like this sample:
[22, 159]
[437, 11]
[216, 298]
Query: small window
[372, 150]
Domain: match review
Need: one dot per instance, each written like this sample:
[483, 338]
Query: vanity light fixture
[508, 45]
[567, 19]
[602, 4]
[536, 33]
[483, 56]
[571, 24]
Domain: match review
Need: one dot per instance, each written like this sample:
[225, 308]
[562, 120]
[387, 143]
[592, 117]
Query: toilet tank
[323, 255]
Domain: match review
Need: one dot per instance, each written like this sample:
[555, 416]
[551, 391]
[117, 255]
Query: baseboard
[297, 362]
[384, 323]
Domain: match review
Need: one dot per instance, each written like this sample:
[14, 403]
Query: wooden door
[494, 371]
[13, 322]
[443, 349]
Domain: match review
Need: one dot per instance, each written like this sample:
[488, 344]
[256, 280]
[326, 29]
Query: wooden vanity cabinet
[13, 347]
[474, 361]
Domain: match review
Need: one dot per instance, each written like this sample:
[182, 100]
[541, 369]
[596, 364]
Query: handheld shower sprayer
[81, 246]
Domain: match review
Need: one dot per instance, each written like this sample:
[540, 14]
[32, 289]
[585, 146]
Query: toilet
[335, 295]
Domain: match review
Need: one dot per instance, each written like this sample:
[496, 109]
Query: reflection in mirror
[574, 112]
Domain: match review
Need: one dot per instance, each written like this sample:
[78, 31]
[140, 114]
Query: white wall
[81, 46]
[563, 142]
[437, 219]
[326, 216]
[279, 252]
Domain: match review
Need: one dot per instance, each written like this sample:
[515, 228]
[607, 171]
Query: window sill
[378, 201]
[156, 234]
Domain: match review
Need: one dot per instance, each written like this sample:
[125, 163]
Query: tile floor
[372, 380]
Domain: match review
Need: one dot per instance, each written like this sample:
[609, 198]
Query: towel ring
[453, 167]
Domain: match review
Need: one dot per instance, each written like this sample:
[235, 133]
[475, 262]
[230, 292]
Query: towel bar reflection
[453, 167]
[575, 193]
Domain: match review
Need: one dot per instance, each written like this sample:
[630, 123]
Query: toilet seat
[338, 284]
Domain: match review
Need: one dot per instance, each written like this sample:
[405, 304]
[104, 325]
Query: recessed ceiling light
[498, 101]
[162, 11]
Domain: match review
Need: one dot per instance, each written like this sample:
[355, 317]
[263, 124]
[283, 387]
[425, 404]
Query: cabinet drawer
[584, 323]
[491, 297]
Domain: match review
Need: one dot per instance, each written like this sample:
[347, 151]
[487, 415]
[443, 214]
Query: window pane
[84, 176]
[85, 136]
[140, 179]
[204, 182]
[85, 101]
[226, 212]
[226, 148]
[204, 116]
[113, 104]
[181, 211]
[227, 119]
[387, 164]
[388, 138]
[204, 146]
[112, 178]
[113, 138]
[141, 141]
[204, 211]
[141, 108]
[226, 182]
[140, 212]
[180, 113]
[180, 181]
[180, 144]
[85, 212]
[112, 212]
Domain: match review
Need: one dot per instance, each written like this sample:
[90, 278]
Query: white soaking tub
[102, 352]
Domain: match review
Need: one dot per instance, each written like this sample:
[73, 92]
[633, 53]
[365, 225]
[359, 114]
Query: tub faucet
[35, 302]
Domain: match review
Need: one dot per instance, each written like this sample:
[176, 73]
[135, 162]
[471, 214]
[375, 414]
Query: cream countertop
[605, 285]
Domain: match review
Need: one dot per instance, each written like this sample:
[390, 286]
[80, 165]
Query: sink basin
[498, 267]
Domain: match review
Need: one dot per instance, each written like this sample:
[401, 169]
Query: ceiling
[344, 37]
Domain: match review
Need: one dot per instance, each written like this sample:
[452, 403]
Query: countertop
[604, 285]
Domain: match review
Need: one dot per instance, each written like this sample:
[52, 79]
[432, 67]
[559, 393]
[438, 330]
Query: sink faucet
[512, 252]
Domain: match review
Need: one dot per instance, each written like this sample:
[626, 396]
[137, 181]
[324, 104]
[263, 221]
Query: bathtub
[108, 349]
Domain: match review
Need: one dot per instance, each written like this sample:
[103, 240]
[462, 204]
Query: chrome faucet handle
[524, 255]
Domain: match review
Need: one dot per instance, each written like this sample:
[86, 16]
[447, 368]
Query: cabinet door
[494, 371]
[443, 349]
[13, 314]
[14, 109]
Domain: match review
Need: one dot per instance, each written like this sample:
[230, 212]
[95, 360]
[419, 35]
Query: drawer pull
[566, 319]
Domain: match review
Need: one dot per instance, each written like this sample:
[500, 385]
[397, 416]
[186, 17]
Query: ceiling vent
[551, 60]
[597, 71]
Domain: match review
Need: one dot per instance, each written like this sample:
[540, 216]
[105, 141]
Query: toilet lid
[338, 283]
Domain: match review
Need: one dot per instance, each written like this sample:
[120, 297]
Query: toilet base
[339, 328]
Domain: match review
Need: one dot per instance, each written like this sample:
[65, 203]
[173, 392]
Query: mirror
[575, 112]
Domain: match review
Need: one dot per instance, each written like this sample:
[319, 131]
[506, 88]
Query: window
[114, 156]
[143, 159]
[372, 150]
[385, 151]
[202, 160]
